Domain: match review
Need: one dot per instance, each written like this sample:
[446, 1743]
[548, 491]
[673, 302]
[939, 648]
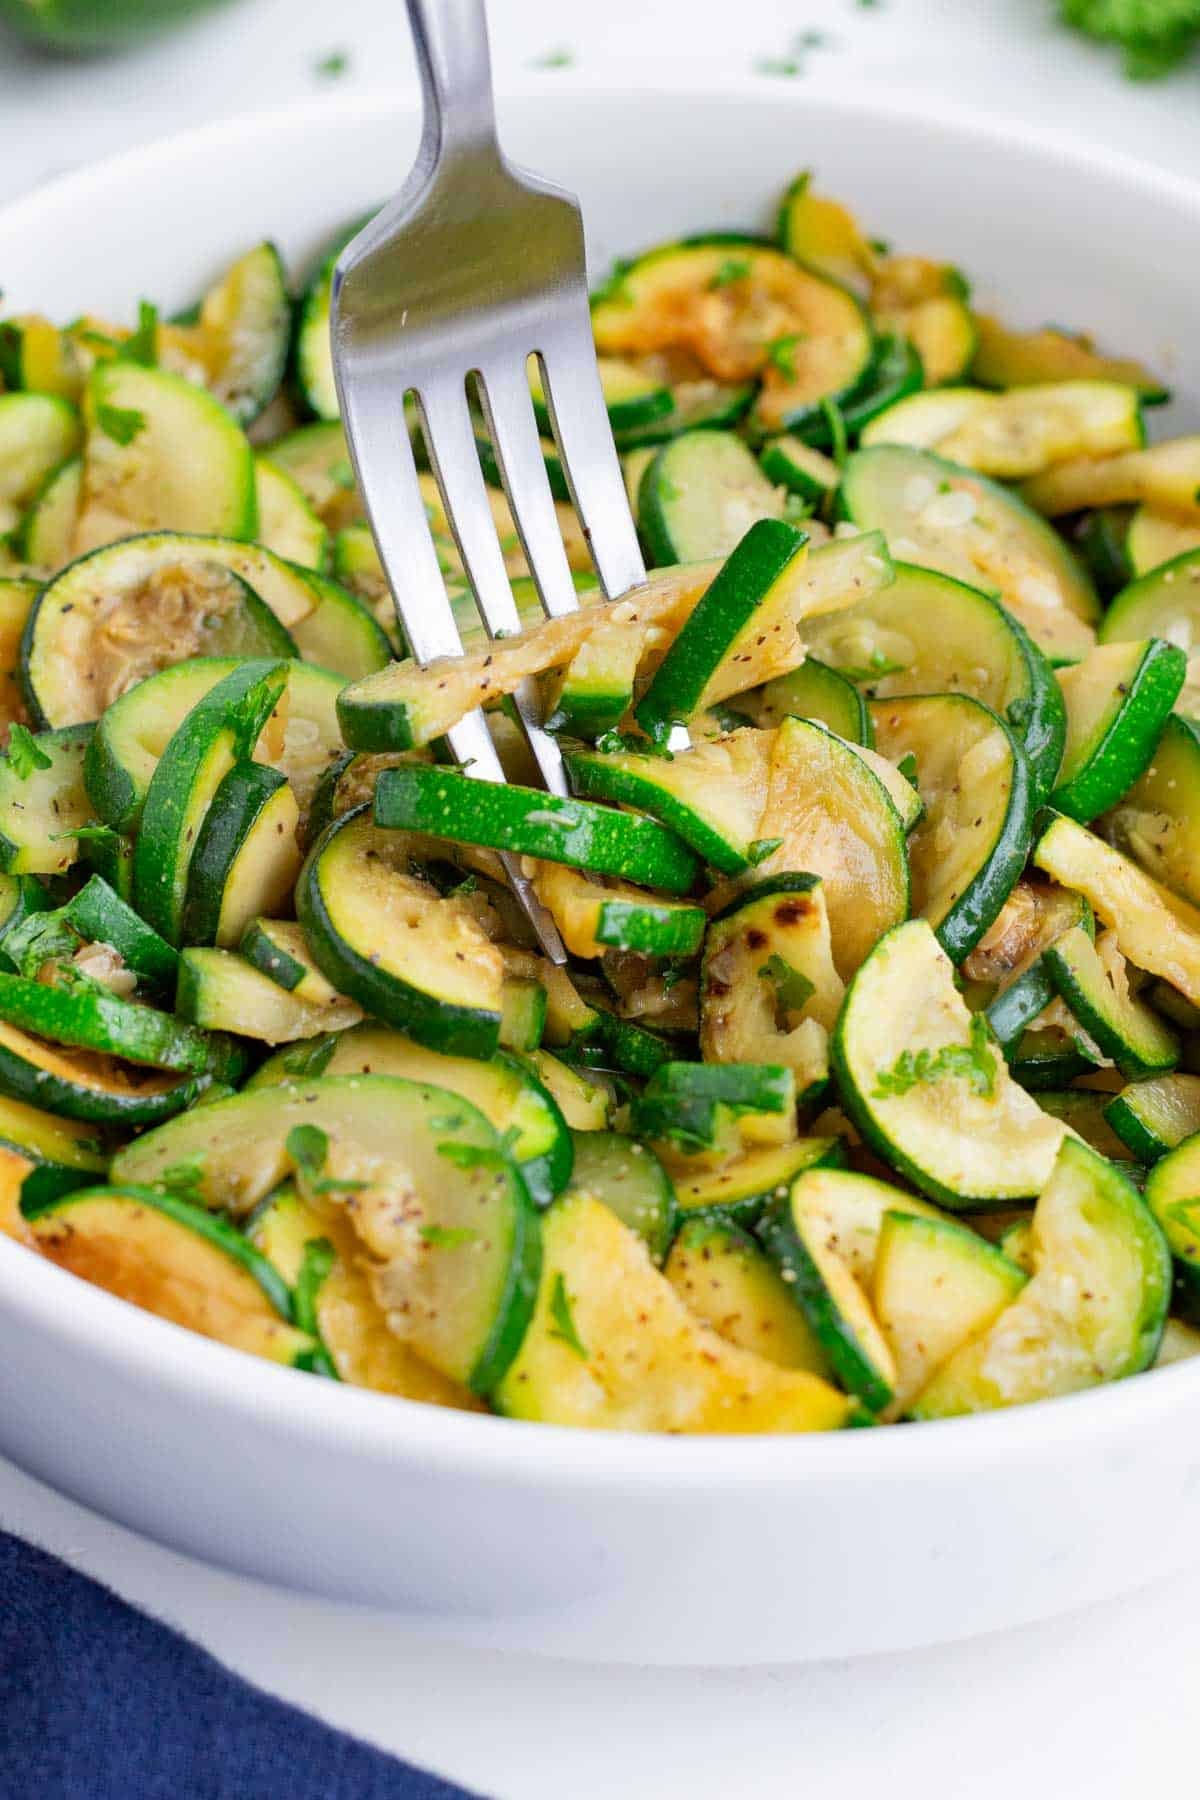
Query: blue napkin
[98, 1702]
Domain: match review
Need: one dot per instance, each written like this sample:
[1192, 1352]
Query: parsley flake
[758, 851]
[120, 423]
[332, 66]
[564, 1320]
[447, 1237]
[141, 346]
[973, 1062]
[793, 990]
[558, 58]
[733, 269]
[781, 353]
[838, 436]
[24, 753]
[308, 1146]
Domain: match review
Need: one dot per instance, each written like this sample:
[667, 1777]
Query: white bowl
[614, 1546]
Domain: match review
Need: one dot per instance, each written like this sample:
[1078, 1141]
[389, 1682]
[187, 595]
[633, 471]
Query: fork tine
[382, 455]
[589, 456]
[450, 440]
[398, 519]
[513, 430]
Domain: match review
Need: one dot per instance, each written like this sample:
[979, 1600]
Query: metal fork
[474, 267]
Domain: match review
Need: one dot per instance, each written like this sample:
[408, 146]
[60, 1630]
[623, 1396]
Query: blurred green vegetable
[1156, 35]
[84, 25]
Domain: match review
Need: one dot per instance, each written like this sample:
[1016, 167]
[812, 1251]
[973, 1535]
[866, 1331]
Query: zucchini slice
[314, 1249]
[743, 309]
[896, 370]
[1165, 477]
[631, 1182]
[926, 302]
[84, 1014]
[1173, 1197]
[504, 1088]
[1118, 700]
[936, 1285]
[161, 455]
[530, 822]
[969, 848]
[921, 1081]
[38, 432]
[405, 706]
[595, 690]
[1163, 604]
[927, 633]
[318, 460]
[1156, 930]
[61, 1153]
[279, 948]
[45, 538]
[593, 917]
[634, 397]
[810, 1259]
[832, 816]
[712, 796]
[241, 335]
[223, 992]
[726, 1280]
[790, 463]
[43, 801]
[432, 1170]
[341, 634]
[1152, 1117]
[1015, 359]
[739, 1190]
[301, 738]
[769, 990]
[700, 496]
[38, 358]
[1084, 1110]
[748, 605]
[1047, 1056]
[823, 234]
[1010, 959]
[390, 941]
[613, 1346]
[100, 916]
[584, 1100]
[88, 1085]
[1093, 981]
[1018, 434]
[287, 524]
[696, 403]
[1154, 538]
[948, 518]
[174, 1259]
[815, 691]
[16, 599]
[246, 858]
[220, 730]
[1093, 1311]
[124, 613]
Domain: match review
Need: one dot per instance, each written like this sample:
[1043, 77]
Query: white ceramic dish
[611, 1546]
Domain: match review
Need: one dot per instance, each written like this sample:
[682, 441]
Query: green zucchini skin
[531, 822]
[236, 808]
[101, 916]
[631, 1181]
[89, 1017]
[1125, 746]
[23, 1079]
[761, 558]
[894, 373]
[233, 713]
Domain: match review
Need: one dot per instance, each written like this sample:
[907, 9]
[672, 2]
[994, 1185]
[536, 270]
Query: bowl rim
[141, 1348]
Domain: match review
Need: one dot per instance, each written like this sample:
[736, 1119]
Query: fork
[472, 269]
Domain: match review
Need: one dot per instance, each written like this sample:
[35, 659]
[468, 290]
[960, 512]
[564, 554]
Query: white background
[1101, 1704]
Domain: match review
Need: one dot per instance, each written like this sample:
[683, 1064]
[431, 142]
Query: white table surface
[1100, 1703]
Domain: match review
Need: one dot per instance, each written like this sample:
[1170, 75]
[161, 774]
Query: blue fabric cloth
[98, 1702]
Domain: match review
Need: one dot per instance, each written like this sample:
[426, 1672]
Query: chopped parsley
[316, 1264]
[758, 851]
[558, 58]
[793, 990]
[24, 753]
[734, 268]
[875, 668]
[185, 1180]
[781, 353]
[332, 66]
[308, 1146]
[141, 346]
[564, 1320]
[447, 1237]
[973, 1062]
[838, 436]
[120, 423]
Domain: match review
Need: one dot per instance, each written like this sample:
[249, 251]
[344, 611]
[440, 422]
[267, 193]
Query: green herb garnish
[120, 423]
[332, 66]
[734, 268]
[141, 346]
[781, 353]
[564, 1321]
[447, 1237]
[758, 851]
[793, 990]
[24, 752]
[835, 420]
[974, 1062]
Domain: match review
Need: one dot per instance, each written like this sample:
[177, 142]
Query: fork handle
[451, 41]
